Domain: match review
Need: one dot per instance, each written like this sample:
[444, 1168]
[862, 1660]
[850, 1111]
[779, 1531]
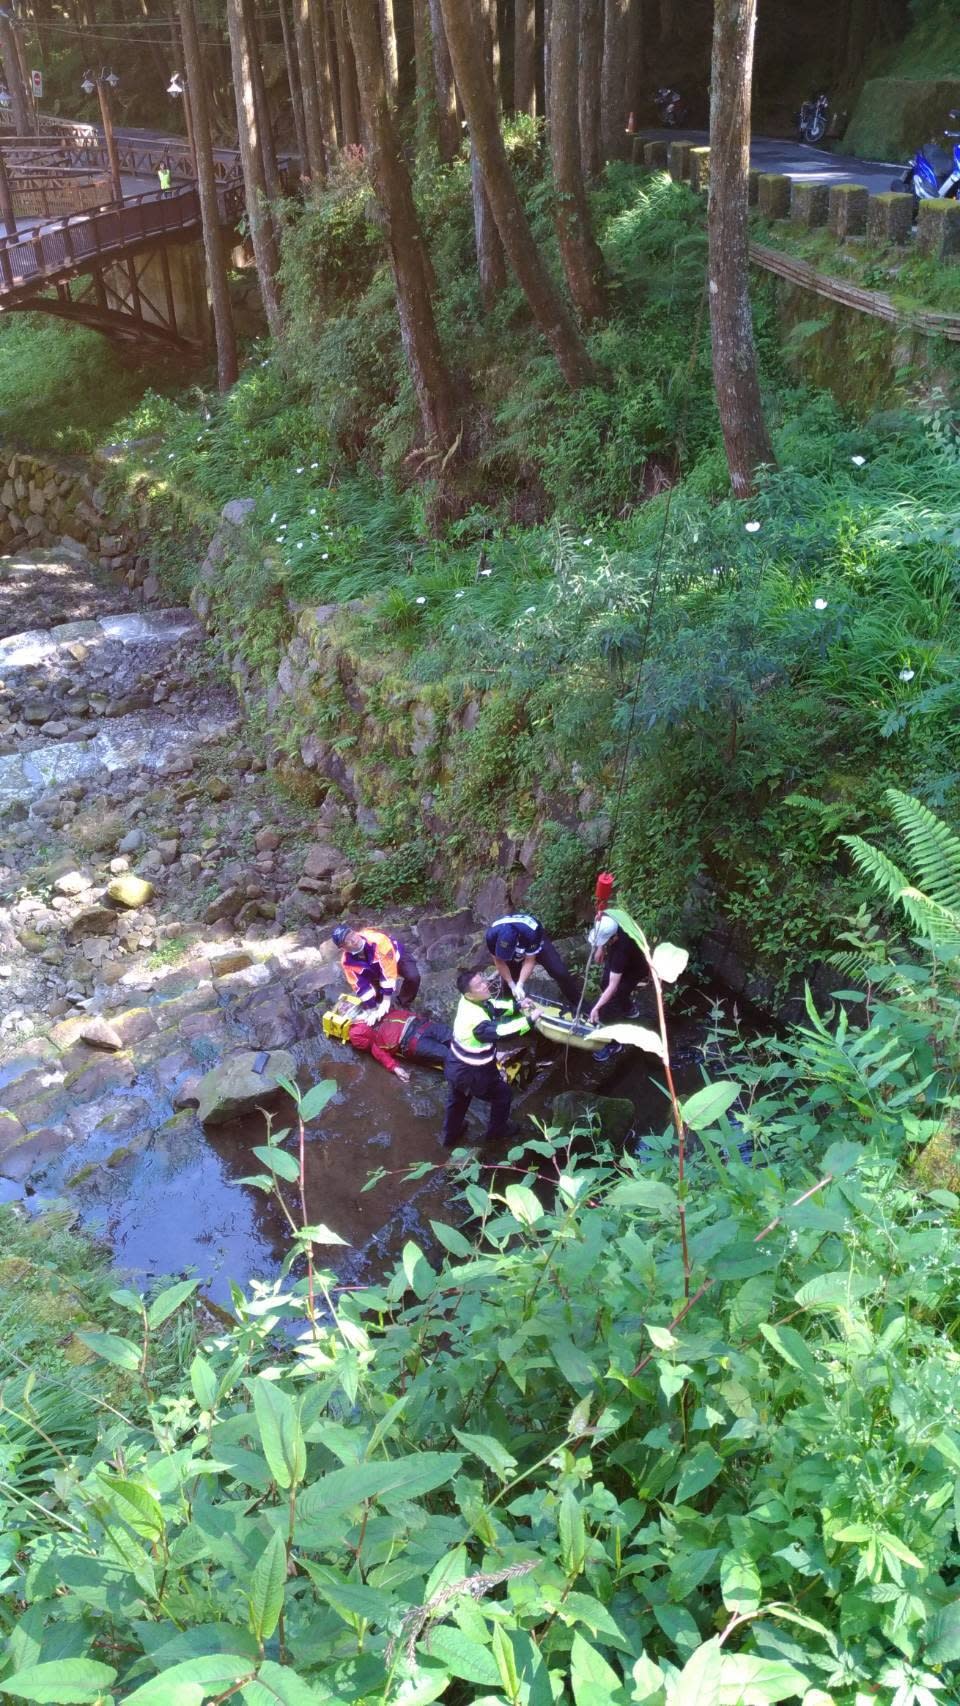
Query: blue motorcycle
[923, 179]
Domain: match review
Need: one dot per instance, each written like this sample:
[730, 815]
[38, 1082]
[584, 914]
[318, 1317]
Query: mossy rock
[893, 114]
[937, 1167]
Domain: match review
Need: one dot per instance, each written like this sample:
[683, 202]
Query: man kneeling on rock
[471, 1069]
[376, 966]
[385, 1033]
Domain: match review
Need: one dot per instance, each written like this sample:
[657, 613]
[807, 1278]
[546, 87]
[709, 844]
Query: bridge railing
[71, 244]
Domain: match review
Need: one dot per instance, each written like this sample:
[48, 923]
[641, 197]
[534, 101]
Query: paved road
[810, 165]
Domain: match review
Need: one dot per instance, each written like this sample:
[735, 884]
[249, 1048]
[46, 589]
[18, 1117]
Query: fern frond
[882, 872]
[934, 850]
[938, 924]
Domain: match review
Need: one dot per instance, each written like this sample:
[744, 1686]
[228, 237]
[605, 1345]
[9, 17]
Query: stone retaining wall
[48, 502]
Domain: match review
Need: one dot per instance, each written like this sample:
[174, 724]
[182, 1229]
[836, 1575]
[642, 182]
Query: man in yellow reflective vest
[471, 1068]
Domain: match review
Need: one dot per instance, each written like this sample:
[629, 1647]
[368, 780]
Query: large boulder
[233, 1088]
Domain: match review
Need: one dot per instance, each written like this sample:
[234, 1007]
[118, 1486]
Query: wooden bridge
[121, 255]
[109, 267]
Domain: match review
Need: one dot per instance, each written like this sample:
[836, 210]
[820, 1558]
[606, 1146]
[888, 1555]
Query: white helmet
[602, 931]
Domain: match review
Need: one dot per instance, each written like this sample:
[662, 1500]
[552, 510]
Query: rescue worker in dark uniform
[624, 968]
[377, 967]
[518, 942]
[471, 1068]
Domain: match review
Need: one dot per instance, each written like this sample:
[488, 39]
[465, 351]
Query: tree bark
[268, 153]
[579, 251]
[735, 379]
[448, 125]
[295, 86]
[315, 160]
[490, 257]
[19, 99]
[429, 374]
[213, 245]
[547, 57]
[633, 64]
[323, 71]
[262, 234]
[388, 37]
[476, 92]
[590, 87]
[525, 57]
[425, 97]
[613, 117]
[349, 109]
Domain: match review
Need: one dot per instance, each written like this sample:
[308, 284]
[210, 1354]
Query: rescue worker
[412, 1036]
[377, 966]
[518, 942]
[164, 176]
[624, 968]
[471, 1069]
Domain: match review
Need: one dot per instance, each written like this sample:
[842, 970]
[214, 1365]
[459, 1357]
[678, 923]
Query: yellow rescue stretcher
[554, 1022]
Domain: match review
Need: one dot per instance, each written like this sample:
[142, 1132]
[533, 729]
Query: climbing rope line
[644, 642]
[655, 580]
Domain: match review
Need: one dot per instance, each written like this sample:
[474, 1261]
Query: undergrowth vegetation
[646, 1437]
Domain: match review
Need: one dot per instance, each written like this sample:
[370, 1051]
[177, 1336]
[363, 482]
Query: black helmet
[340, 934]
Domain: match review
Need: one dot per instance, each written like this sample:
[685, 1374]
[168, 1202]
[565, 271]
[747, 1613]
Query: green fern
[930, 896]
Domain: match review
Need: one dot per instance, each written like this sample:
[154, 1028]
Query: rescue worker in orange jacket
[376, 966]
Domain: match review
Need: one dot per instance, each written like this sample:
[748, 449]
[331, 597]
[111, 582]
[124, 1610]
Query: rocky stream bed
[165, 909]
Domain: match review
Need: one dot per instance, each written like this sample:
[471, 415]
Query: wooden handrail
[875, 302]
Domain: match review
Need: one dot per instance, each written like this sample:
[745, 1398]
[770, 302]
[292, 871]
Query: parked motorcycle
[672, 108]
[924, 181]
[813, 118]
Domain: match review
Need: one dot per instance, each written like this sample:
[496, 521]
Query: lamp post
[178, 90]
[7, 214]
[102, 82]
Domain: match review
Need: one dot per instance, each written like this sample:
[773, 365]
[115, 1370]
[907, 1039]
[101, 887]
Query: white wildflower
[588, 541]
[420, 600]
[301, 470]
[907, 674]
[273, 518]
[324, 556]
[858, 461]
[459, 595]
[531, 610]
[486, 571]
[313, 511]
[819, 604]
[752, 526]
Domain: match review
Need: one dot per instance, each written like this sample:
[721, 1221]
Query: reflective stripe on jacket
[374, 974]
[480, 1025]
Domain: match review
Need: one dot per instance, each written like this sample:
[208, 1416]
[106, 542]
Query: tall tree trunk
[213, 245]
[268, 153]
[19, 100]
[388, 37]
[476, 92]
[579, 251]
[429, 374]
[262, 234]
[591, 83]
[323, 71]
[448, 125]
[349, 113]
[735, 379]
[315, 163]
[296, 88]
[547, 58]
[425, 99]
[490, 257]
[525, 57]
[633, 63]
[613, 117]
